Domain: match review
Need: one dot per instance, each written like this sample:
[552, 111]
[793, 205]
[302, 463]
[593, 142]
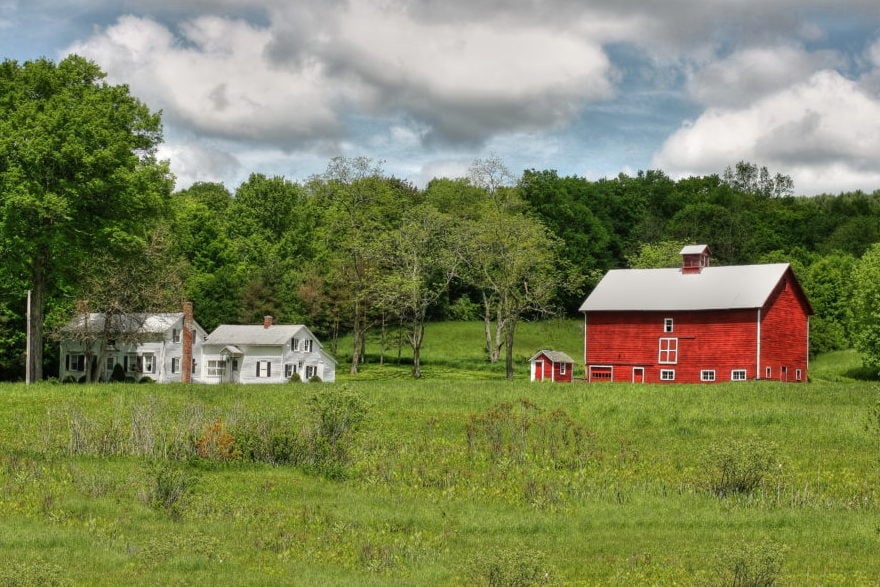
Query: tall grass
[441, 482]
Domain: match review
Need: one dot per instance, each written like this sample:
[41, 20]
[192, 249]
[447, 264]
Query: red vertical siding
[719, 341]
[785, 332]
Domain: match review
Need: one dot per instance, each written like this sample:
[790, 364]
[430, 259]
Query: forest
[88, 212]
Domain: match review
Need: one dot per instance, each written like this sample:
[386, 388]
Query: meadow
[459, 478]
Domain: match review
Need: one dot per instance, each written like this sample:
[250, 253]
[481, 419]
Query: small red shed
[551, 366]
[697, 323]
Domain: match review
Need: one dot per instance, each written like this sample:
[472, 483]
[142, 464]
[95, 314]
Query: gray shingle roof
[144, 323]
[253, 334]
[714, 288]
[555, 356]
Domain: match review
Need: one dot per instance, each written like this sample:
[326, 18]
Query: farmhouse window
[667, 325]
[194, 365]
[264, 368]
[216, 368]
[109, 365]
[290, 369]
[307, 345]
[668, 351]
[175, 335]
[707, 375]
[175, 364]
[294, 345]
[738, 375]
[311, 371]
[76, 362]
[146, 363]
[667, 374]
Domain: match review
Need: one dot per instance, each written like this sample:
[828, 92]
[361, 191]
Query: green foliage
[658, 255]
[168, 487]
[335, 416]
[511, 567]
[866, 307]
[738, 466]
[750, 563]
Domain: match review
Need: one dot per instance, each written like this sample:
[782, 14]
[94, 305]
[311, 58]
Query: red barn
[551, 366]
[697, 323]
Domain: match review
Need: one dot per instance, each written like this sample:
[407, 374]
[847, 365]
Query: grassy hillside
[443, 481]
[455, 350]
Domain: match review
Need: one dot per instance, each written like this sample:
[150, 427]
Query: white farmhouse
[157, 346]
[264, 353]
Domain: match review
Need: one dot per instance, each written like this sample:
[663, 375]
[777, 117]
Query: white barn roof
[713, 288]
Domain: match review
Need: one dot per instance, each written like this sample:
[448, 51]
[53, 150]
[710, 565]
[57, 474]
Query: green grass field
[460, 478]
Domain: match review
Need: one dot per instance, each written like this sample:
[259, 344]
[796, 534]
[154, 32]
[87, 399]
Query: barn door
[638, 374]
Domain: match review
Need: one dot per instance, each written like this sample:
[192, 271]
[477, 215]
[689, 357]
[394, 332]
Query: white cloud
[752, 73]
[823, 132]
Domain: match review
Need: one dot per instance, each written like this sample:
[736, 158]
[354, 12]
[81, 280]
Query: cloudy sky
[587, 87]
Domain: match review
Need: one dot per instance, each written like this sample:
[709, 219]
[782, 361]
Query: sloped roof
[694, 250]
[714, 288]
[555, 356]
[128, 323]
[253, 334]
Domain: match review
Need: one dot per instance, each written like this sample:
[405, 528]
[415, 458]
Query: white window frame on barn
[668, 351]
[738, 375]
[798, 375]
[562, 368]
[707, 375]
[667, 374]
[668, 325]
[768, 373]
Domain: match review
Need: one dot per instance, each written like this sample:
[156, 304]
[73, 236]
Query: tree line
[87, 212]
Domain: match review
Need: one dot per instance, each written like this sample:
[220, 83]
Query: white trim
[670, 350]
[707, 375]
[668, 325]
[758, 357]
[667, 372]
[733, 372]
[590, 371]
[634, 369]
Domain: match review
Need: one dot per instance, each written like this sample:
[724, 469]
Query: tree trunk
[416, 338]
[508, 348]
[39, 282]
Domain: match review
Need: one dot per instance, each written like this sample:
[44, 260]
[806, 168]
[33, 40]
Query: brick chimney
[694, 258]
[267, 321]
[187, 343]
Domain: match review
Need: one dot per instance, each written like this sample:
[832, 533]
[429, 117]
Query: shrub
[146, 380]
[315, 379]
[118, 374]
[168, 487]
[295, 378]
[739, 466]
[335, 417]
[750, 563]
[216, 443]
[511, 567]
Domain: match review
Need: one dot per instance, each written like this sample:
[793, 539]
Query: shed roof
[694, 250]
[555, 356]
[714, 288]
[253, 334]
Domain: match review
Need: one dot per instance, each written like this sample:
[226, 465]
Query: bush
[511, 568]
[146, 380]
[216, 444]
[739, 466]
[335, 417]
[118, 374]
[295, 378]
[750, 563]
[315, 379]
[168, 487]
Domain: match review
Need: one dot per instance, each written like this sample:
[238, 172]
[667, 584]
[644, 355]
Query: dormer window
[667, 325]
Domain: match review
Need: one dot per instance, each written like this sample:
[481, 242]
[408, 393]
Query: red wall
[707, 340]
[545, 370]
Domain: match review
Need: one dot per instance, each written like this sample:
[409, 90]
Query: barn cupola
[694, 258]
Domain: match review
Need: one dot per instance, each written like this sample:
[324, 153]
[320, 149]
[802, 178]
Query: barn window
[798, 374]
[768, 372]
[600, 373]
[668, 351]
[738, 375]
[562, 368]
[707, 375]
[667, 325]
[667, 374]
[264, 368]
